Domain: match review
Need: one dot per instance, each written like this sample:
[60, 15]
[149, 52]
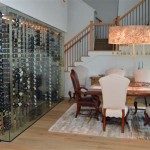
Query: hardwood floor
[37, 137]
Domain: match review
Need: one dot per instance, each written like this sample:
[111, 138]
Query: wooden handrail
[77, 41]
[77, 35]
[78, 46]
[137, 5]
[103, 24]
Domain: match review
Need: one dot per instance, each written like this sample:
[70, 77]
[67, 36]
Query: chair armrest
[86, 92]
[91, 93]
[83, 88]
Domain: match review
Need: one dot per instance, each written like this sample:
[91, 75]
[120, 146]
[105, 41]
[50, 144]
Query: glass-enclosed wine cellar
[31, 71]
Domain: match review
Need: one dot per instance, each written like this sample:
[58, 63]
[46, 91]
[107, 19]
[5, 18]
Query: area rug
[86, 125]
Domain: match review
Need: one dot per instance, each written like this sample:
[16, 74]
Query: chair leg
[97, 110]
[123, 120]
[78, 110]
[135, 105]
[104, 120]
[145, 101]
[146, 118]
[97, 113]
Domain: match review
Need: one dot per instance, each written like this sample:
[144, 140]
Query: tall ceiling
[106, 10]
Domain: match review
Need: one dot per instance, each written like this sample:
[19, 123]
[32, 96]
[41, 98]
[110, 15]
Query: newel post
[117, 21]
[91, 34]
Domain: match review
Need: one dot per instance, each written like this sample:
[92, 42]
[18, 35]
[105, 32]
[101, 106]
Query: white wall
[126, 5]
[102, 62]
[79, 16]
[106, 10]
[99, 62]
[52, 12]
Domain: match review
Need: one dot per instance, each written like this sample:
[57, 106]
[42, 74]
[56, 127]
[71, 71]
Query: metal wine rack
[30, 71]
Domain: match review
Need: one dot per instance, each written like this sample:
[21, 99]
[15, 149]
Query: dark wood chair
[82, 72]
[83, 97]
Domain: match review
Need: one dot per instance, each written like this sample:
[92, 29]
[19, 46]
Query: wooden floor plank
[37, 137]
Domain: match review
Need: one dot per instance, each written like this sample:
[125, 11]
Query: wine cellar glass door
[31, 67]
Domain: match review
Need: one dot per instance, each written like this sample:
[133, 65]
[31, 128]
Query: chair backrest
[115, 71]
[142, 75]
[82, 74]
[75, 81]
[114, 91]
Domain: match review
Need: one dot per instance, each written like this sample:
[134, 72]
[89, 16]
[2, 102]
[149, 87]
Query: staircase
[95, 36]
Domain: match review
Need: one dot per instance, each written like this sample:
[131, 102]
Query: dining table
[135, 89]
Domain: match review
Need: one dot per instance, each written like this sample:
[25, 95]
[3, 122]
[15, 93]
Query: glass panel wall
[31, 71]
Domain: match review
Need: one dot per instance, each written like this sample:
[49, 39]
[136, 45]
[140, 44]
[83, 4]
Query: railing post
[117, 21]
[91, 34]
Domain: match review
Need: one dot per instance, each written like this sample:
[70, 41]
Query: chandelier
[130, 37]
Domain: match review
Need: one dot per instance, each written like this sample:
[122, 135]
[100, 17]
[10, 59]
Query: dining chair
[114, 90]
[83, 97]
[82, 72]
[141, 76]
[115, 71]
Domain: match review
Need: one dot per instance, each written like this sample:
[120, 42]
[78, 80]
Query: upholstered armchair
[115, 71]
[141, 76]
[114, 91]
[83, 97]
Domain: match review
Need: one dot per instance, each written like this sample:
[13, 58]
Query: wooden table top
[132, 90]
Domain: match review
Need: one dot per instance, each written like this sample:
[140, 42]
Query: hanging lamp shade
[129, 35]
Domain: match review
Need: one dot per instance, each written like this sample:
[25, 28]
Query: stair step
[102, 44]
[102, 40]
